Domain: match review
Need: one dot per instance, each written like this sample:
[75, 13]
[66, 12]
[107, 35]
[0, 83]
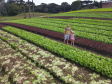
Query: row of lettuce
[18, 68]
[96, 13]
[93, 10]
[98, 46]
[85, 29]
[34, 53]
[54, 67]
[90, 14]
[94, 62]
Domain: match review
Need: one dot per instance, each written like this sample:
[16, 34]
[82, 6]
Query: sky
[38, 2]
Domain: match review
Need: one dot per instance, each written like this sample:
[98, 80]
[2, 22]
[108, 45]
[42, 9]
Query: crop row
[90, 14]
[20, 69]
[93, 10]
[98, 63]
[96, 24]
[90, 29]
[80, 31]
[91, 22]
[54, 64]
[60, 67]
[98, 46]
[95, 29]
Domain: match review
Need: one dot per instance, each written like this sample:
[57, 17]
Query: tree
[39, 8]
[21, 2]
[43, 6]
[12, 9]
[1, 1]
[53, 7]
[1, 6]
[33, 8]
[11, 1]
[45, 10]
[65, 7]
[75, 5]
[29, 9]
[98, 4]
[24, 10]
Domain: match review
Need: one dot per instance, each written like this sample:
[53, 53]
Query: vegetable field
[32, 51]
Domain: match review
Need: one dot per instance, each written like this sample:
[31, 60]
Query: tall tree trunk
[29, 9]
[6, 13]
[0, 13]
[33, 8]
[24, 11]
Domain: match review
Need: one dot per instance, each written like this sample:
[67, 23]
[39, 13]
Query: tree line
[15, 7]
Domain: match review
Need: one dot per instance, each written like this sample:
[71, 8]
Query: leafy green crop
[84, 58]
[96, 30]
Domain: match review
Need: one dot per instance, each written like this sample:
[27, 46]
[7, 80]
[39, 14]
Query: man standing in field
[67, 33]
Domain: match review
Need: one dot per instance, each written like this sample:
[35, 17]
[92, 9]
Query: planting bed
[4, 78]
[20, 69]
[95, 45]
[69, 17]
[63, 70]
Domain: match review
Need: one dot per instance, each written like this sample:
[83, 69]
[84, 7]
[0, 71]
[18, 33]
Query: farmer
[67, 33]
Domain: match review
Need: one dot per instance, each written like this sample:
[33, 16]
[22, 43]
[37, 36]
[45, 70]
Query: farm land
[32, 50]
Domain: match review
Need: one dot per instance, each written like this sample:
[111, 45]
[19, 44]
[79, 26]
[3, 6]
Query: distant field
[97, 13]
[21, 16]
[93, 10]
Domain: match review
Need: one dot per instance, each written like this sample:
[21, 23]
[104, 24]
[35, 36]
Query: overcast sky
[38, 2]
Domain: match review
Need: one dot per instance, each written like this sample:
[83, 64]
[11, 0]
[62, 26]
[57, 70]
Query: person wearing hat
[72, 38]
[67, 33]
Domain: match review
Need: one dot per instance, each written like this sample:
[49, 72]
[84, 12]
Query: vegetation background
[15, 7]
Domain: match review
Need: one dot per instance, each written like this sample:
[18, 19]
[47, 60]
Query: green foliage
[53, 8]
[46, 10]
[4, 38]
[96, 62]
[93, 10]
[75, 5]
[85, 28]
[98, 4]
[1, 1]
[86, 14]
[13, 9]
